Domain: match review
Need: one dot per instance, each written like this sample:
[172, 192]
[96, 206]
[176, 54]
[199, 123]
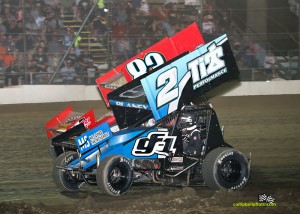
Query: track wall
[66, 93]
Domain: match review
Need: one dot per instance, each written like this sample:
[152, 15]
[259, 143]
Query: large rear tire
[114, 175]
[54, 152]
[225, 168]
[65, 179]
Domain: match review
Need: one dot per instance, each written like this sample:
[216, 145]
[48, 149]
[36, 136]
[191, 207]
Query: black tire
[52, 152]
[114, 175]
[62, 178]
[225, 168]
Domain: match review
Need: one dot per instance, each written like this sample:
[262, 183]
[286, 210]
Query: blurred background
[76, 41]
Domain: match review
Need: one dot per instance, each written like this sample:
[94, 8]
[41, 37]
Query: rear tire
[64, 179]
[52, 152]
[114, 175]
[225, 168]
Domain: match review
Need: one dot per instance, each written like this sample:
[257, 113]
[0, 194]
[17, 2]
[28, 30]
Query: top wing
[67, 119]
[156, 55]
[181, 80]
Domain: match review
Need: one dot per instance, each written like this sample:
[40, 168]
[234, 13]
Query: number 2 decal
[169, 92]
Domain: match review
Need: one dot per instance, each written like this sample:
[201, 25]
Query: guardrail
[260, 74]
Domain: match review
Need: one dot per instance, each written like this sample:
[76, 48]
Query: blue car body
[162, 135]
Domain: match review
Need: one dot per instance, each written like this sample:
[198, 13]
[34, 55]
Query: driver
[191, 132]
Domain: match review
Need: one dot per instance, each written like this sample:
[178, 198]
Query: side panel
[93, 137]
[189, 77]
[67, 119]
[144, 144]
[129, 102]
[186, 40]
[57, 120]
[88, 119]
[151, 144]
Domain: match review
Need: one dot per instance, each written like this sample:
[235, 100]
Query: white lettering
[224, 156]
[98, 136]
[68, 160]
[240, 185]
[162, 148]
[139, 106]
[83, 143]
[213, 60]
[138, 67]
[193, 67]
[119, 103]
[208, 64]
[116, 192]
[210, 78]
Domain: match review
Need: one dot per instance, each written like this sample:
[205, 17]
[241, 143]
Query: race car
[68, 124]
[158, 54]
[164, 138]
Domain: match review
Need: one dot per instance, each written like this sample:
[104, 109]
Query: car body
[68, 124]
[163, 137]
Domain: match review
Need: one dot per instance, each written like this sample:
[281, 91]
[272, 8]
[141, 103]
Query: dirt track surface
[266, 126]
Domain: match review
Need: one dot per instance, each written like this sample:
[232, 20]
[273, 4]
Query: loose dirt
[265, 126]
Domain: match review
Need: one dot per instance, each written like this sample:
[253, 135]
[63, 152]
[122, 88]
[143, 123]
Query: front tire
[225, 168]
[66, 180]
[114, 175]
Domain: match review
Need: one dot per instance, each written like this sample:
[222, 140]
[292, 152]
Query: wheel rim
[118, 177]
[231, 171]
[69, 177]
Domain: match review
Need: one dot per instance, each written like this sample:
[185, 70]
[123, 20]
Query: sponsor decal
[98, 136]
[220, 160]
[186, 119]
[73, 118]
[129, 104]
[176, 159]
[208, 66]
[176, 168]
[93, 137]
[86, 141]
[210, 78]
[159, 143]
[125, 160]
[83, 142]
[69, 159]
[116, 192]
[108, 86]
[164, 89]
[244, 181]
[87, 122]
[80, 185]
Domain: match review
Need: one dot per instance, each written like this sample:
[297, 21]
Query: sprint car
[68, 124]
[64, 127]
[164, 138]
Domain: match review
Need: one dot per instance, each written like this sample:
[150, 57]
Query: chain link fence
[35, 36]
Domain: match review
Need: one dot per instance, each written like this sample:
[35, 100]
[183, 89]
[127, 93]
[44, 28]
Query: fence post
[298, 14]
[72, 43]
[109, 35]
